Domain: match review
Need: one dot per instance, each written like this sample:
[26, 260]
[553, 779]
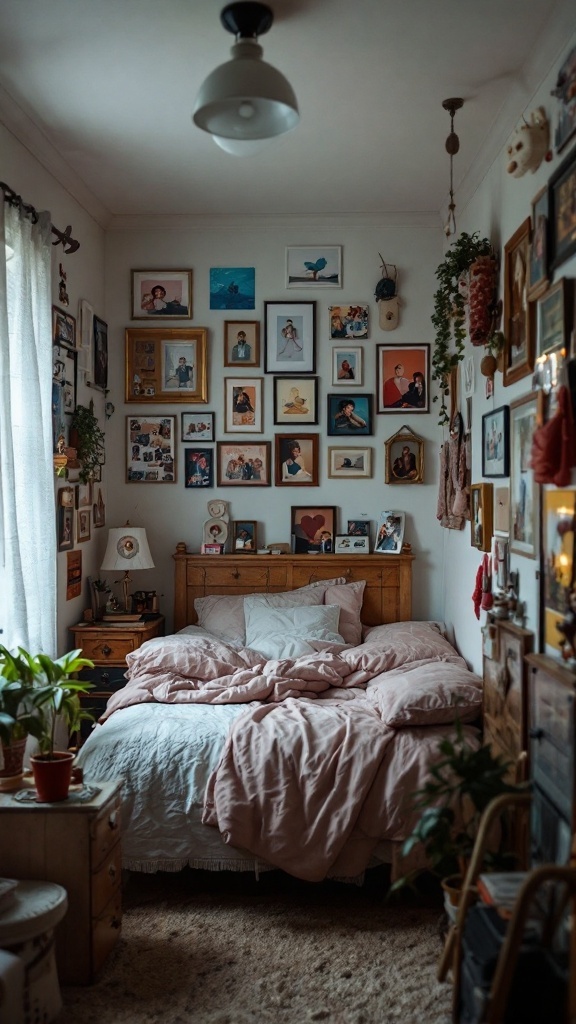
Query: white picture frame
[314, 266]
[347, 366]
[390, 532]
[348, 544]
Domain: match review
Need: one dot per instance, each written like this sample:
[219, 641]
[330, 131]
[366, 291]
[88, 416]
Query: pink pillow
[430, 693]
[349, 599]
[404, 642]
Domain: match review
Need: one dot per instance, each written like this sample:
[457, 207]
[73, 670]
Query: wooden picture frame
[243, 405]
[197, 426]
[314, 266]
[65, 527]
[554, 317]
[241, 343]
[290, 337]
[348, 462]
[404, 458]
[348, 544]
[100, 352]
[313, 528]
[390, 532]
[350, 321]
[518, 324]
[557, 563]
[296, 460]
[243, 464]
[63, 328]
[538, 262]
[83, 516]
[244, 537]
[496, 442]
[295, 400]
[198, 467]
[403, 379]
[161, 295]
[349, 415]
[347, 366]
[151, 448]
[481, 507]
[166, 365]
[523, 490]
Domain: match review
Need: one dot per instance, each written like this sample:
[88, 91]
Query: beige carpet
[225, 949]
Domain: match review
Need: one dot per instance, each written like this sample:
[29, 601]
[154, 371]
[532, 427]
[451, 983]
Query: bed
[286, 722]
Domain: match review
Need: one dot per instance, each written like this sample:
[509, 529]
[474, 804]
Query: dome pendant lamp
[245, 102]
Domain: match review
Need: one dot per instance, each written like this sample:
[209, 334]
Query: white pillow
[284, 632]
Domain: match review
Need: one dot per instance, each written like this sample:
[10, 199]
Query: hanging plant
[449, 317]
[89, 440]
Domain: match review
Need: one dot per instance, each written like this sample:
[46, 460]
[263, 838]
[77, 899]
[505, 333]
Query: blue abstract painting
[232, 287]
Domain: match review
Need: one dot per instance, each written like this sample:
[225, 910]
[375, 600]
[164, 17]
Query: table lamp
[127, 549]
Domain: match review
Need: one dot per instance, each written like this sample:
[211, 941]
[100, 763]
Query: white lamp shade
[127, 549]
[246, 98]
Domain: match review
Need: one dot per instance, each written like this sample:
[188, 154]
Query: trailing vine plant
[449, 316]
[90, 447]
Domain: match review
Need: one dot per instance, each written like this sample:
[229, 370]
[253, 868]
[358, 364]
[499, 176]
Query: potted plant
[88, 439]
[17, 717]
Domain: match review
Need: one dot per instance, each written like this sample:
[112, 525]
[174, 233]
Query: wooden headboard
[387, 596]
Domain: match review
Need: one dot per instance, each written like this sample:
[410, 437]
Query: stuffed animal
[529, 145]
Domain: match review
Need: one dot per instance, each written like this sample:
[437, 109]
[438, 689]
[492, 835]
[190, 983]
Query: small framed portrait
[345, 544]
[313, 528]
[241, 343]
[295, 400]
[554, 316]
[166, 365]
[296, 460]
[349, 322]
[197, 426]
[243, 405]
[403, 374]
[243, 465]
[523, 507]
[518, 321]
[358, 527]
[349, 462]
[481, 505]
[83, 495]
[63, 328]
[232, 287]
[290, 337]
[538, 262]
[83, 516]
[347, 366]
[390, 532]
[100, 347]
[495, 442]
[349, 415]
[404, 458]
[161, 294]
[150, 449]
[198, 467]
[212, 549]
[314, 266]
[245, 537]
[65, 527]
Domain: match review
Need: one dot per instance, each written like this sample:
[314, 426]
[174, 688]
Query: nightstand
[107, 644]
[77, 845]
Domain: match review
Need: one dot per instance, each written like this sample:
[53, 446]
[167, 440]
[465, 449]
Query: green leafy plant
[449, 316]
[17, 716]
[90, 445]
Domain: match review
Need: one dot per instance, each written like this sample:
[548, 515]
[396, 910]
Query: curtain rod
[62, 237]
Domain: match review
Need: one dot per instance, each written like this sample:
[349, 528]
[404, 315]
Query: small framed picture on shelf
[245, 537]
[358, 527]
[390, 532]
[495, 442]
[161, 294]
[313, 528]
[241, 343]
[197, 426]
[345, 544]
[212, 549]
[347, 366]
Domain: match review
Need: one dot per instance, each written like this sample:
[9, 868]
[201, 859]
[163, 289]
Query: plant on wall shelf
[89, 440]
[449, 317]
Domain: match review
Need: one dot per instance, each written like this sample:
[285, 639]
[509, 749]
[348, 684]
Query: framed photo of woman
[243, 405]
[347, 366]
[349, 414]
[296, 461]
[403, 374]
[244, 537]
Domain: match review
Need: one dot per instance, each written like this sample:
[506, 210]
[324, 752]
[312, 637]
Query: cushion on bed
[279, 631]
[404, 642]
[429, 693]
[223, 615]
[349, 599]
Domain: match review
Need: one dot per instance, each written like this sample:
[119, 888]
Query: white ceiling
[102, 92]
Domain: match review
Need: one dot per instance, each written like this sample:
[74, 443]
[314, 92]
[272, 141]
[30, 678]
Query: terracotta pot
[11, 773]
[452, 887]
[52, 774]
[488, 366]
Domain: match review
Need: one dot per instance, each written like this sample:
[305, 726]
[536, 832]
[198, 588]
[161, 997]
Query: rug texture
[227, 949]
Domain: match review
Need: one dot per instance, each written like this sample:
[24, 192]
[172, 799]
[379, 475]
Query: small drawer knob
[106, 650]
[536, 733]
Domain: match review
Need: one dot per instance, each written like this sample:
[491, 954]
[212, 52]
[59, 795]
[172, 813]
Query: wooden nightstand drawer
[217, 573]
[106, 930]
[104, 832]
[106, 880]
[107, 648]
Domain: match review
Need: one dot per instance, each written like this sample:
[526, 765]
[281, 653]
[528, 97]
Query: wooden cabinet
[505, 693]
[77, 845]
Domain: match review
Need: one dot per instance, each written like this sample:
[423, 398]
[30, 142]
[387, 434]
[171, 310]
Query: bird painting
[315, 268]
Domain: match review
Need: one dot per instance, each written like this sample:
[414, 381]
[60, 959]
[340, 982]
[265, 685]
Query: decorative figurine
[216, 527]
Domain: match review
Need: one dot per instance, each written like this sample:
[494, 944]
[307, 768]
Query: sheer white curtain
[27, 525]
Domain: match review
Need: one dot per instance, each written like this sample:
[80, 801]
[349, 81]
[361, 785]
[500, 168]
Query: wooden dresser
[76, 845]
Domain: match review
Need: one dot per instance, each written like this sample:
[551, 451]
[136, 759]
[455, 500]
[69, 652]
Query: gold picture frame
[404, 458]
[481, 518]
[166, 365]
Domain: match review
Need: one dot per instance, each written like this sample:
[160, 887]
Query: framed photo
[403, 374]
[349, 462]
[198, 467]
[166, 365]
[290, 337]
[538, 263]
[556, 564]
[561, 189]
[518, 325]
[358, 527]
[232, 287]
[212, 549]
[100, 379]
[295, 400]
[566, 124]
[495, 442]
[99, 509]
[390, 532]
[65, 374]
[65, 527]
[83, 516]
[314, 266]
[66, 497]
[83, 495]
[349, 322]
[241, 343]
[345, 544]
[349, 414]
[150, 449]
[481, 505]
[347, 366]
[404, 458]
[63, 328]
[243, 401]
[313, 528]
[502, 509]
[197, 426]
[296, 460]
[244, 465]
[554, 316]
[245, 537]
[523, 510]
[161, 294]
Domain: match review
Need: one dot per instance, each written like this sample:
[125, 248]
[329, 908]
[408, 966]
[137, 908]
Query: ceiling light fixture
[452, 147]
[245, 103]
